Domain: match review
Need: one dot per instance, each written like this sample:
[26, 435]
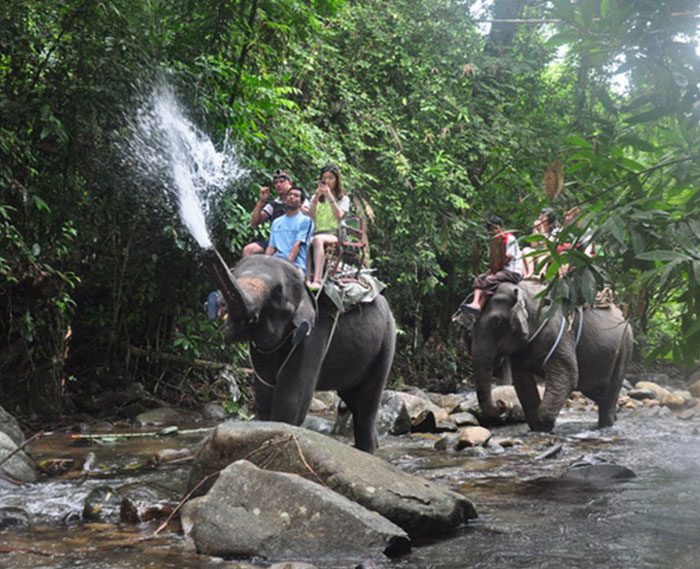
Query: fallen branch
[20, 447]
[159, 433]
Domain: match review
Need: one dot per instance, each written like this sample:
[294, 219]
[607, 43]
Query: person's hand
[264, 193]
[322, 189]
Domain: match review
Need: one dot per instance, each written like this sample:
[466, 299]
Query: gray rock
[591, 468]
[259, 513]
[10, 426]
[19, 466]
[464, 418]
[426, 417]
[472, 437]
[449, 441]
[318, 424]
[102, 504]
[165, 416]
[419, 506]
[214, 410]
[641, 394]
[14, 519]
[142, 502]
[393, 417]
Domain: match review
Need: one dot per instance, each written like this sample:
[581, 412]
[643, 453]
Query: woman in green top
[328, 206]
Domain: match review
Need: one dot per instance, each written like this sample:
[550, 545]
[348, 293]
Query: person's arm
[259, 215]
[338, 211]
[294, 252]
[303, 234]
[270, 250]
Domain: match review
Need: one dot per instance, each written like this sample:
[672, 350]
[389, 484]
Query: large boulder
[251, 512]
[419, 506]
[10, 426]
[17, 467]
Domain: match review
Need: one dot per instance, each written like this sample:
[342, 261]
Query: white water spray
[167, 147]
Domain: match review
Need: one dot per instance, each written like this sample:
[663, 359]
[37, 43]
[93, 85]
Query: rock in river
[251, 512]
[417, 505]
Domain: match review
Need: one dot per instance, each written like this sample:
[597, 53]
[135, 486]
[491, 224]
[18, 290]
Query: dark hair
[338, 191]
[550, 214]
[281, 174]
[297, 188]
[494, 221]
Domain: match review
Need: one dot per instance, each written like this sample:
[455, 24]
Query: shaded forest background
[435, 120]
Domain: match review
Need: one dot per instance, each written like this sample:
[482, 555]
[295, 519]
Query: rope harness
[560, 334]
[284, 340]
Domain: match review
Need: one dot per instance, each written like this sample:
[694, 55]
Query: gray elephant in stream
[512, 325]
[298, 346]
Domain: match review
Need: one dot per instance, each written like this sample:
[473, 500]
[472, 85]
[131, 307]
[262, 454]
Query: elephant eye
[498, 321]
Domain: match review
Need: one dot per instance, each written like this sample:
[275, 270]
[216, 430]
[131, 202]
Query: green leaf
[668, 256]
[652, 115]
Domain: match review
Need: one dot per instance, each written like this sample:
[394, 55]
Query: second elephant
[590, 354]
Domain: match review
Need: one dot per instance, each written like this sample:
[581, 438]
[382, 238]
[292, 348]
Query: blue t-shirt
[286, 231]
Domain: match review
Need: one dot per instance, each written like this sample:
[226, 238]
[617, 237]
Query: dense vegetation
[434, 123]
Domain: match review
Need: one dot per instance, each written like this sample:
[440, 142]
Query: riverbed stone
[464, 418]
[392, 417]
[144, 501]
[318, 424]
[10, 426]
[254, 512]
[472, 437]
[591, 468]
[694, 389]
[102, 504]
[674, 400]
[425, 415]
[166, 416]
[17, 467]
[657, 389]
[421, 507]
[15, 519]
[214, 410]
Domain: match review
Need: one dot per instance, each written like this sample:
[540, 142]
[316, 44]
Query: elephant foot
[546, 426]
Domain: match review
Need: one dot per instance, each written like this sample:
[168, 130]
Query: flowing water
[529, 516]
[167, 148]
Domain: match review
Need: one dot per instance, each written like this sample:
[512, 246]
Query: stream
[529, 516]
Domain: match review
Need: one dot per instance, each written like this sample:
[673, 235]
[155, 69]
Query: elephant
[299, 345]
[589, 352]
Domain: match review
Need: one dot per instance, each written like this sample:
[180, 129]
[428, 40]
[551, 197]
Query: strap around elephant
[580, 325]
[537, 332]
[556, 342]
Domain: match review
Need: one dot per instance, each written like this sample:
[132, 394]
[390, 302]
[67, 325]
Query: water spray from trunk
[166, 147]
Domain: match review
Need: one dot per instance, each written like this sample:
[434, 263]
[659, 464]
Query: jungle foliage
[434, 122]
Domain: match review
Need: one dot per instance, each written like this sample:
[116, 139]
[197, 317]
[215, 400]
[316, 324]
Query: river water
[529, 516]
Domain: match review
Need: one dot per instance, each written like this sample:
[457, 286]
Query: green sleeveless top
[325, 221]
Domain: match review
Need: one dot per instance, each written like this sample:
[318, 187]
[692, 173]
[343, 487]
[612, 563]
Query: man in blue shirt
[290, 233]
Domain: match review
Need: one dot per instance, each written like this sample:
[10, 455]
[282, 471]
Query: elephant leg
[295, 384]
[561, 375]
[363, 402]
[607, 405]
[263, 401]
[526, 388]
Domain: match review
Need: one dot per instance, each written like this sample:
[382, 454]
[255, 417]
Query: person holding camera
[328, 206]
[267, 209]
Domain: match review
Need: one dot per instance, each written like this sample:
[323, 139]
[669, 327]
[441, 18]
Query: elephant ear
[519, 318]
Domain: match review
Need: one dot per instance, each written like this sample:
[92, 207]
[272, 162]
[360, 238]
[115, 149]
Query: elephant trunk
[238, 302]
